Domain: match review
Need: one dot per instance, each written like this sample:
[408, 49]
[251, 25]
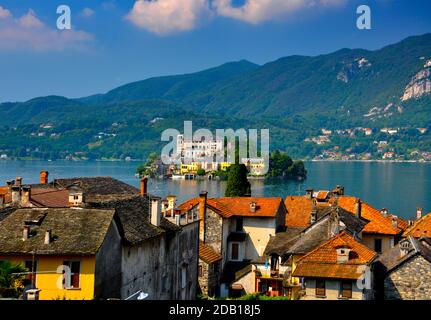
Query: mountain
[173, 87]
[295, 97]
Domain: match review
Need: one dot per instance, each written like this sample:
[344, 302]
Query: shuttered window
[74, 276]
[346, 289]
[320, 288]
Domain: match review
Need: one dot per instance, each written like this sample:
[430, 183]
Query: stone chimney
[419, 212]
[25, 196]
[405, 247]
[144, 185]
[16, 194]
[48, 236]
[202, 214]
[26, 233]
[18, 181]
[9, 184]
[44, 177]
[155, 211]
[309, 193]
[252, 207]
[178, 219]
[313, 216]
[358, 208]
[395, 221]
[384, 212]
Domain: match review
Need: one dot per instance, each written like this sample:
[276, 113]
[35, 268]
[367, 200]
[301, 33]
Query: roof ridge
[323, 245]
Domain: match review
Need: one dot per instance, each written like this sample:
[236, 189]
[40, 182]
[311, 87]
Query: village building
[274, 272]
[338, 269]
[70, 254]
[421, 227]
[382, 232]
[404, 272]
[159, 253]
[238, 229]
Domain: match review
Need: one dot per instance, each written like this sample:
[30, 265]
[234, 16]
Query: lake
[399, 187]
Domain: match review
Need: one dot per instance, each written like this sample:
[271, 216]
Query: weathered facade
[404, 272]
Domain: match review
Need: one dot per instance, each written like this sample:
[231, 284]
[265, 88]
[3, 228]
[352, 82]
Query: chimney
[253, 207]
[44, 177]
[9, 184]
[144, 183]
[25, 196]
[178, 219]
[340, 190]
[309, 193]
[155, 211]
[358, 208]
[18, 181]
[384, 212]
[16, 194]
[202, 214]
[313, 216]
[395, 221]
[405, 247]
[419, 212]
[26, 233]
[48, 236]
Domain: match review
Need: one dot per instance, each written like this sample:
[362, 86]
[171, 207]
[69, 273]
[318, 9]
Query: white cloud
[4, 13]
[168, 16]
[29, 32]
[258, 11]
[87, 12]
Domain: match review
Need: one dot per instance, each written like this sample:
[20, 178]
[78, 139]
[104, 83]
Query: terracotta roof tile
[298, 211]
[50, 198]
[322, 261]
[208, 254]
[421, 228]
[239, 206]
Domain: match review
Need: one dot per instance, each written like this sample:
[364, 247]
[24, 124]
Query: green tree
[237, 182]
[11, 278]
[201, 172]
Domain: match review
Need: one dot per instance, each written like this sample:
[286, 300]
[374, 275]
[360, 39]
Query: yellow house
[190, 168]
[69, 253]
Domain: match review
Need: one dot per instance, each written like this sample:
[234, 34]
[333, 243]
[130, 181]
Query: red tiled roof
[322, 261]
[299, 212]
[239, 206]
[322, 195]
[378, 223]
[208, 254]
[50, 197]
[188, 205]
[421, 228]
[4, 191]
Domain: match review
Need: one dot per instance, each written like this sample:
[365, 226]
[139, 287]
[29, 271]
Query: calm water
[400, 187]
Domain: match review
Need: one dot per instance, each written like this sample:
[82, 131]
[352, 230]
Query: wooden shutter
[346, 289]
[75, 270]
[320, 288]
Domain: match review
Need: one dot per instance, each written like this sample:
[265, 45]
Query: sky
[114, 42]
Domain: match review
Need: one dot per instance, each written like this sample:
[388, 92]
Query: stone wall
[209, 280]
[213, 230]
[411, 281]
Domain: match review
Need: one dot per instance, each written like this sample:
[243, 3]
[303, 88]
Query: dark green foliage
[237, 182]
[201, 172]
[11, 279]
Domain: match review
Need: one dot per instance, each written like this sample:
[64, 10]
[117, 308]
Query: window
[75, 197]
[73, 281]
[201, 271]
[320, 288]
[235, 251]
[378, 245]
[346, 289]
[216, 267]
[239, 224]
[31, 266]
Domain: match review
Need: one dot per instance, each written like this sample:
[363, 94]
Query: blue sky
[115, 42]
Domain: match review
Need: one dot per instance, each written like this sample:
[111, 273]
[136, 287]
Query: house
[159, 253]
[381, 233]
[421, 227]
[404, 272]
[237, 229]
[209, 270]
[70, 254]
[285, 249]
[338, 269]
